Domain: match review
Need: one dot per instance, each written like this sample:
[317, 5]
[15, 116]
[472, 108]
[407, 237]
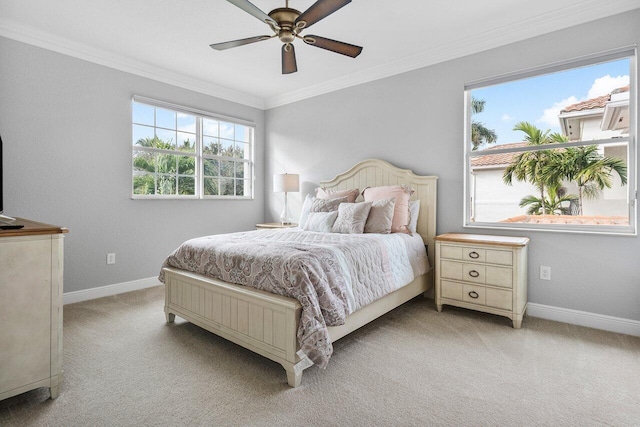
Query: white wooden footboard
[264, 323]
[259, 321]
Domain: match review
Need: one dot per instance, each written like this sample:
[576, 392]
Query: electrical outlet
[545, 272]
[111, 259]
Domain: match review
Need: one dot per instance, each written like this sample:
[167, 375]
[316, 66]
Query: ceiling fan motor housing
[286, 18]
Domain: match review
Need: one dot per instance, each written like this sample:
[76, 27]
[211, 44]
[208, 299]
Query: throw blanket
[331, 275]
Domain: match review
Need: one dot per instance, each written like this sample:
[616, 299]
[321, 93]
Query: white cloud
[550, 115]
[506, 117]
[606, 84]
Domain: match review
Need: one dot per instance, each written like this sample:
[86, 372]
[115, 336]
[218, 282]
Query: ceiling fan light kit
[287, 23]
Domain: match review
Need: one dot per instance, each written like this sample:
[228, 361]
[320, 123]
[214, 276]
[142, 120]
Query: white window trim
[199, 155]
[629, 52]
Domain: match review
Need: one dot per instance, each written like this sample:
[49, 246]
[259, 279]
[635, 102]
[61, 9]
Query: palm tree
[531, 165]
[479, 133]
[554, 205]
[591, 171]
[163, 170]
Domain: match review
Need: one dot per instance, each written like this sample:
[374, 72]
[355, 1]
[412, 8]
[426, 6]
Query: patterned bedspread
[331, 275]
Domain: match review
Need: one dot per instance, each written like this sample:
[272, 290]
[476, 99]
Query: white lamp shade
[286, 182]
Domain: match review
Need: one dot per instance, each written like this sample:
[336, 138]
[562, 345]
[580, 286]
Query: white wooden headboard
[375, 173]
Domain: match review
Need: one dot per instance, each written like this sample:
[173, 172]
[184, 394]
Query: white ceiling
[168, 40]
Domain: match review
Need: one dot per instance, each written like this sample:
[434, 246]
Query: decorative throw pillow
[313, 204]
[402, 193]
[351, 195]
[380, 216]
[320, 221]
[414, 211]
[351, 218]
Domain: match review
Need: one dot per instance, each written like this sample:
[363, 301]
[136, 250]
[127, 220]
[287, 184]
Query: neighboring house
[597, 118]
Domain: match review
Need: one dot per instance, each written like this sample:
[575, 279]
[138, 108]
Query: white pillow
[380, 216]
[351, 218]
[320, 221]
[306, 208]
[414, 211]
[351, 195]
[314, 204]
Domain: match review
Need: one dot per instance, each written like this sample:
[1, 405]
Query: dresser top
[31, 228]
[483, 239]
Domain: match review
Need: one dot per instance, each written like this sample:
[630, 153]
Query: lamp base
[285, 218]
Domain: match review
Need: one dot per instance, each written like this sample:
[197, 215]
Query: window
[179, 152]
[554, 148]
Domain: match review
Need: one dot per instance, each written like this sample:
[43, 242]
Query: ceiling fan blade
[319, 10]
[288, 59]
[250, 8]
[236, 43]
[333, 45]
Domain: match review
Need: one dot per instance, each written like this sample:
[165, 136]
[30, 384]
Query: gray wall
[66, 128]
[415, 120]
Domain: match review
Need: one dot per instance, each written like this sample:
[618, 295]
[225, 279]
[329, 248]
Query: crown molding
[33, 36]
[561, 18]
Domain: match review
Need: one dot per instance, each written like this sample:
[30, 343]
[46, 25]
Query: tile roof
[569, 219]
[598, 102]
[497, 159]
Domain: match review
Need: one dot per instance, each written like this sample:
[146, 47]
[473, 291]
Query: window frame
[199, 154]
[630, 53]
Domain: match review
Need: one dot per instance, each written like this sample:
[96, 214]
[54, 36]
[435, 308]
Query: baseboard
[105, 291]
[583, 318]
[559, 314]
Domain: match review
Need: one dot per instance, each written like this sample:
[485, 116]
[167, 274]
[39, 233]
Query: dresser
[484, 273]
[31, 268]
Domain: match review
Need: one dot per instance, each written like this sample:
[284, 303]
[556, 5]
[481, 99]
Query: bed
[266, 323]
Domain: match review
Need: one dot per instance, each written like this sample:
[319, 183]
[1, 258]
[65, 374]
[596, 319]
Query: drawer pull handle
[473, 294]
[474, 273]
[474, 255]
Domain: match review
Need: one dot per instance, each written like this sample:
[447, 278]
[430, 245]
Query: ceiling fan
[287, 24]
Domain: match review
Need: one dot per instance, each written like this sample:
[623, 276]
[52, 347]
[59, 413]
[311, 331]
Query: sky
[538, 100]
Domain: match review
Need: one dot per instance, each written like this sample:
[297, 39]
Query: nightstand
[271, 225]
[484, 273]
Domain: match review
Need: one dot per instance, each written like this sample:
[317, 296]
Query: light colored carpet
[414, 366]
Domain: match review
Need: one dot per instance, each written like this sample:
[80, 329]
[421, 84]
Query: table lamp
[286, 182]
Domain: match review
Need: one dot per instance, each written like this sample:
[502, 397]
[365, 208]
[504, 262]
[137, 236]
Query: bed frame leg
[294, 379]
[170, 317]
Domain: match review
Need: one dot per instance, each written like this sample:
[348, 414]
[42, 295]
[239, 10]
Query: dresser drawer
[477, 273]
[476, 254]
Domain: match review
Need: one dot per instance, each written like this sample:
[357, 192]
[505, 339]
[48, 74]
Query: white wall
[401, 119]
[496, 201]
[66, 129]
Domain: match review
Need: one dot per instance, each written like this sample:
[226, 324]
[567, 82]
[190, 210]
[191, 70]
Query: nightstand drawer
[477, 273]
[499, 276]
[452, 290]
[474, 294]
[499, 298]
[475, 254]
[480, 295]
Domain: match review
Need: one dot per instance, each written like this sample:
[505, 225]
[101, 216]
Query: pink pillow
[402, 193]
[351, 195]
